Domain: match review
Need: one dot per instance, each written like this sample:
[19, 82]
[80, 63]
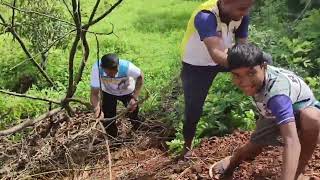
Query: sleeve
[206, 24]
[95, 76]
[133, 71]
[281, 108]
[243, 29]
[278, 86]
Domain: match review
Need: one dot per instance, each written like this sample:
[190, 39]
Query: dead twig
[108, 150]
[184, 172]
[29, 97]
[63, 170]
[29, 122]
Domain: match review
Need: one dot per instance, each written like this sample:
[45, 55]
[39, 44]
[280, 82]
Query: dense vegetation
[149, 34]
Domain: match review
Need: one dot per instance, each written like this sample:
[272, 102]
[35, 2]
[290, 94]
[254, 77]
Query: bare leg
[309, 136]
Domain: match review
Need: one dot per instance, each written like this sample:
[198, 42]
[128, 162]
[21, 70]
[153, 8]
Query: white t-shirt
[283, 82]
[122, 84]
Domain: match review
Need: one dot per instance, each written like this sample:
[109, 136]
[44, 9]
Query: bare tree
[80, 38]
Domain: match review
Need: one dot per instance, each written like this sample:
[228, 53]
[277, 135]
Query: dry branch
[63, 170]
[29, 122]
[126, 110]
[65, 150]
[102, 33]
[108, 149]
[29, 97]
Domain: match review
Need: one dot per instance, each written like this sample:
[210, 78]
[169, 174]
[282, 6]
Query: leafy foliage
[42, 31]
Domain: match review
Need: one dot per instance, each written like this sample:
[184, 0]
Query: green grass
[146, 32]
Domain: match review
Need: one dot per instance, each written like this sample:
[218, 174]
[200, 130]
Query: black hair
[110, 61]
[245, 55]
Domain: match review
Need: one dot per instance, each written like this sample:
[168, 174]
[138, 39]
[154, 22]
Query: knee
[310, 119]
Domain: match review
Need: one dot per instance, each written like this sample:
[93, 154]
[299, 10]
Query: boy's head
[110, 63]
[247, 65]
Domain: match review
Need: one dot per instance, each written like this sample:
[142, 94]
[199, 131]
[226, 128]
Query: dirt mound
[63, 147]
[156, 164]
[75, 148]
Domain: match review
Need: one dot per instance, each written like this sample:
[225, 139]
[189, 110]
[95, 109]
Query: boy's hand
[98, 114]
[132, 104]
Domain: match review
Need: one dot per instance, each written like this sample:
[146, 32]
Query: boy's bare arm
[217, 49]
[95, 101]
[291, 151]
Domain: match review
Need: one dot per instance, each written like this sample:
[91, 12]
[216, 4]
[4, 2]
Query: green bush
[225, 109]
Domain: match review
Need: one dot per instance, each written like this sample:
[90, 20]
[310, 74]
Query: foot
[219, 167]
[185, 155]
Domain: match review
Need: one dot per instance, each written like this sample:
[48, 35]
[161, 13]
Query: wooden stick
[27, 96]
[108, 149]
[29, 122]
[62, 170]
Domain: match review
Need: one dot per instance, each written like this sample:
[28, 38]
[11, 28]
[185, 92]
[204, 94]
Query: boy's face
[249, 79]
[111, 72]
[237, 9]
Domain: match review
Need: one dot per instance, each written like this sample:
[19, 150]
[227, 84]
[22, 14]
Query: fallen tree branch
[29, 97]
[108, 149]
[63, 170]
[29, 122]
[184, 172]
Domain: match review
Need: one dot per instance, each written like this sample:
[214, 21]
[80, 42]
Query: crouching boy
[287, 108]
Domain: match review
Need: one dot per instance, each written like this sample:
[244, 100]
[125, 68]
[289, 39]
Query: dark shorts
[267, 132]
